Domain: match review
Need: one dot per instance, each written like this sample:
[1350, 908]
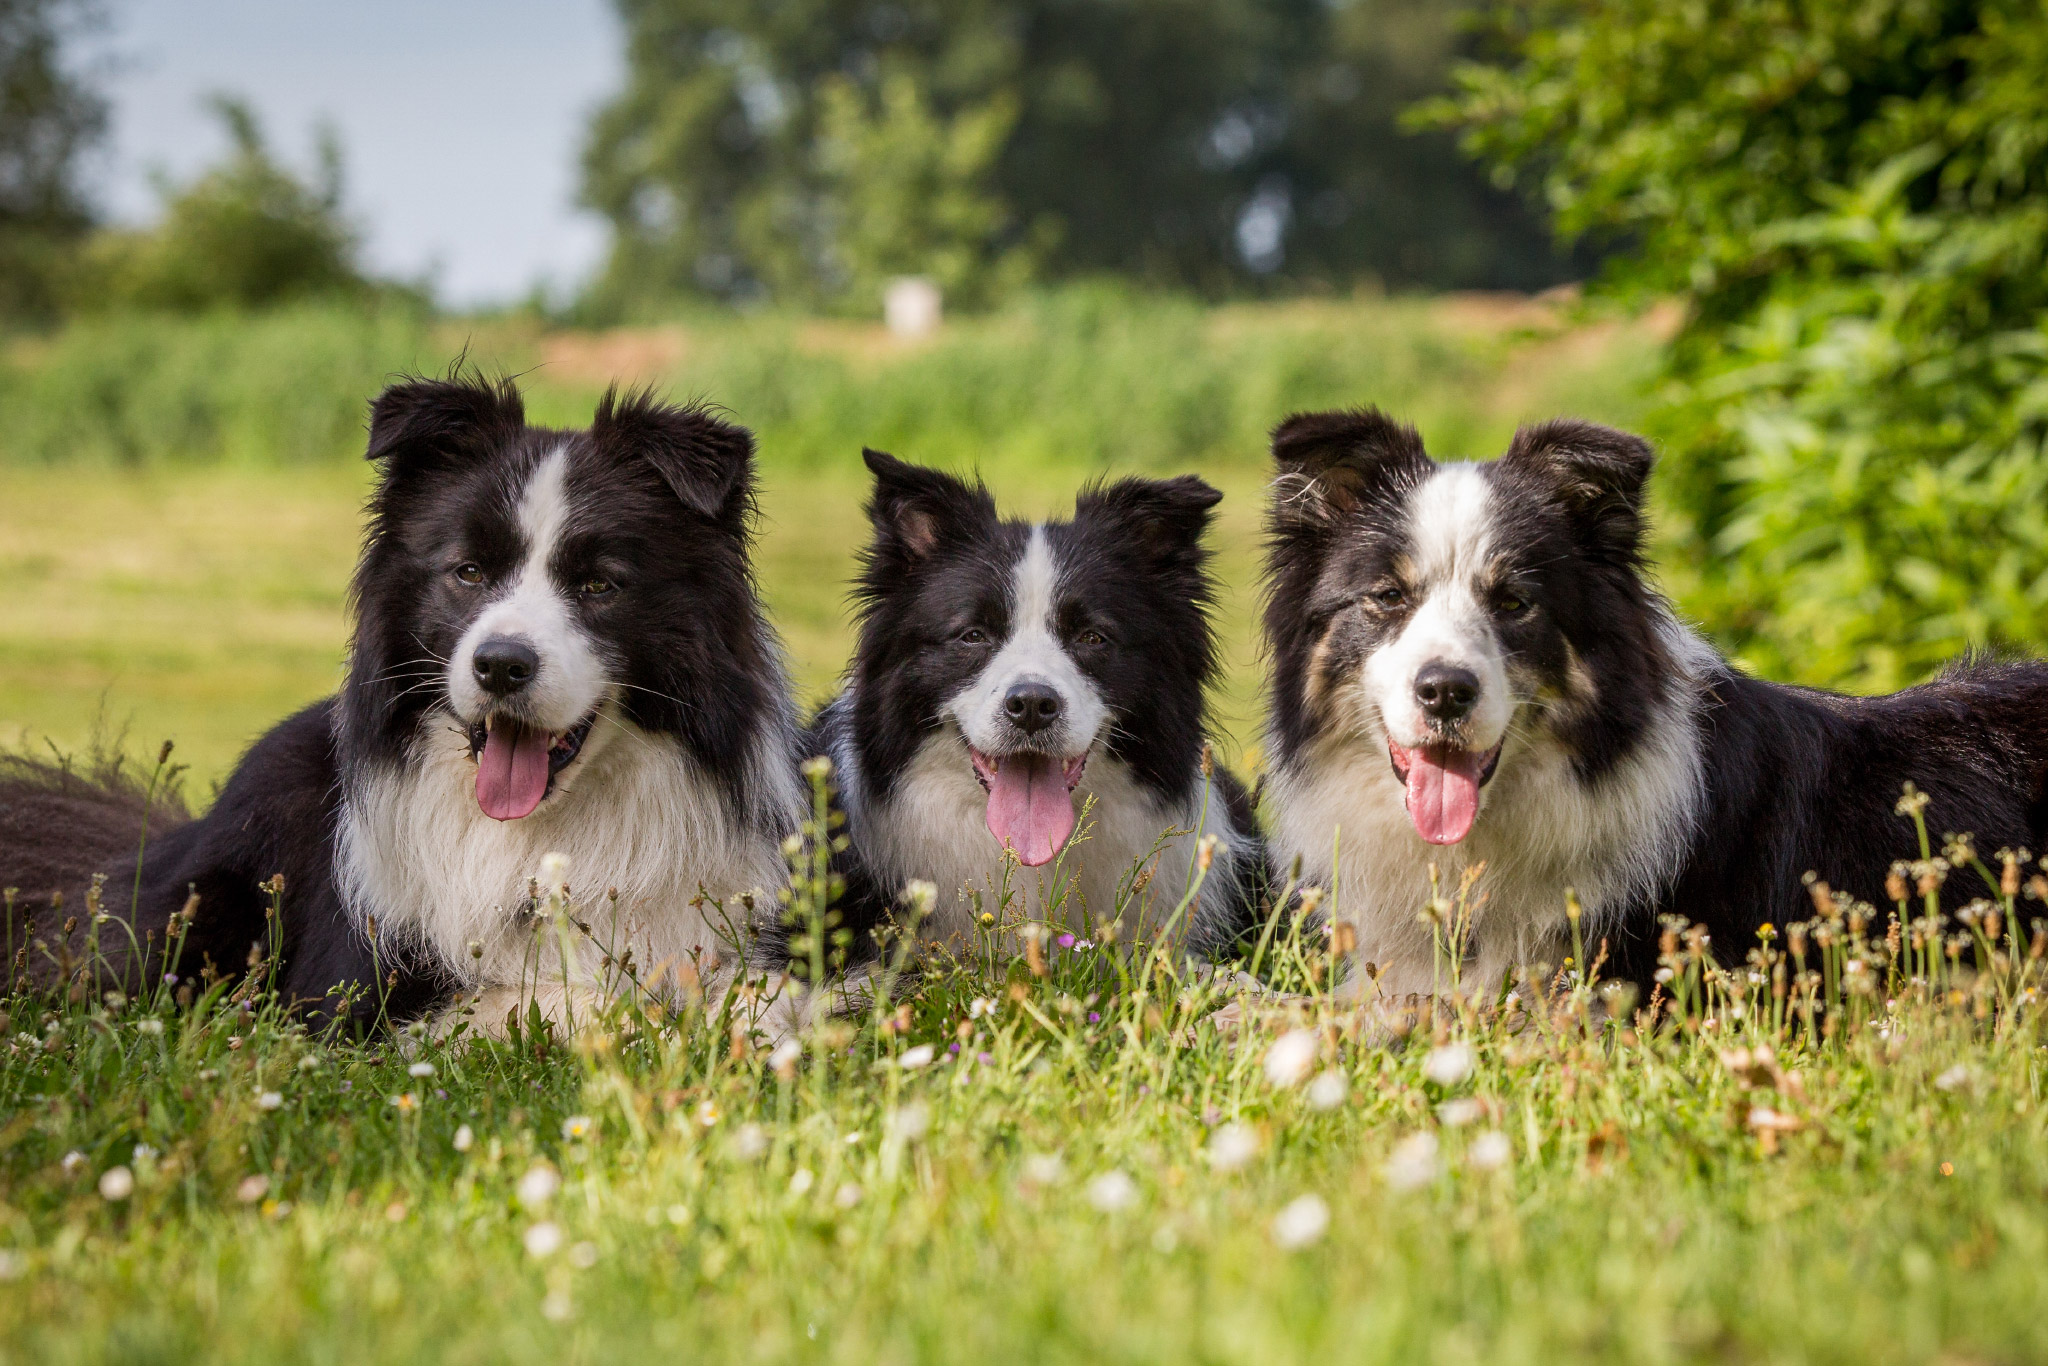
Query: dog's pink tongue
[512, 772]
[1443, 793]
[1030, 808]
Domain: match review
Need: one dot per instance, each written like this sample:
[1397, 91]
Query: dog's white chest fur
[634, 813]
[934, 826]
[1541, 830]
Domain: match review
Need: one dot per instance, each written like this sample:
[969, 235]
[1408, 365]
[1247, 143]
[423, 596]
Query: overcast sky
[461, 120]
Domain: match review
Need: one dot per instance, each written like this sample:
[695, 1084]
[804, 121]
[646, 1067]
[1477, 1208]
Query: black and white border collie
[1469, 667]
[1009, 675]
[558, 649]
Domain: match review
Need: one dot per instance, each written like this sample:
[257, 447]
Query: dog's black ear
[916, 510]
[1597, 473]
[1328, 465]
[1163, 518]
[708, 463]
[432, 421]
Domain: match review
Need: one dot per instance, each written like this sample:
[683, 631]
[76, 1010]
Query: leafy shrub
[1853, 199]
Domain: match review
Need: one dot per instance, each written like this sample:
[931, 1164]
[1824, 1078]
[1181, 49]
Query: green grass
[1094, 1176]
[178, 501]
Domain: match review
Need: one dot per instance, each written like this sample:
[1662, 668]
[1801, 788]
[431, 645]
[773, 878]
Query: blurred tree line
[1851, 197]
[804, 150]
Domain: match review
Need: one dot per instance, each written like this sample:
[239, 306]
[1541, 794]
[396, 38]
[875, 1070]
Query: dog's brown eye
[1509, 605]
[1389, 597]
[1090, 638]
[974, 635]
[597, 588]
[471, 574]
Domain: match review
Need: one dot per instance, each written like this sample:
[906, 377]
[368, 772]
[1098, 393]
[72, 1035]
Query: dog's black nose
[504, 665]
[1033, 706]
[1446, 692]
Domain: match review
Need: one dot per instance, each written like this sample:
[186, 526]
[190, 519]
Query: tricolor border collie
[1008, 676]
[558, 649]
[1470, 667]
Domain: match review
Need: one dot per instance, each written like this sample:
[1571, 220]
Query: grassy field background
[179, 502]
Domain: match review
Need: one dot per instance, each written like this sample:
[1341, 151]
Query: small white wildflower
[1289, 1059]
[465, 1139]
[847, 1196]
[1112, 1191]
[1413, 1162]
[151, 1027]
[252, 1189]
[1456, 1114]
[801, 1180]
[578, 1127]
[554, 873]
[142, 1155]
[543, 1239]
[914, 1058]
[707, 1113]
[1043, 1169]
[750, 1141]
[1489, 1152]
[421, 1070]
[679, 1215]
[1448, 1064]
[784, 1058]
[310, 1062]
[1329, 1090]
[1956, 1077]
[1232, 1146]
[1301, 1222]
[981, 1007]
[73, 1163]
[583, 1256]
[270, 1100]
[555, 1306]
[117, 1183]
[416, 1030]
[538, 1186]
[908, 1124]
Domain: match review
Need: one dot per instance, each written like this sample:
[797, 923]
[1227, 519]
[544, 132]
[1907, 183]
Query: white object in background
[911, 305]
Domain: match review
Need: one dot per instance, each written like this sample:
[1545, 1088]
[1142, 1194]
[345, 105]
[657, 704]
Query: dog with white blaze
[1470, 668]
[558, 649]
[1036, 691]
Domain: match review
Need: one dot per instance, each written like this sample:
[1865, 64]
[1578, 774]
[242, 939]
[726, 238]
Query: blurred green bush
[1852, 197]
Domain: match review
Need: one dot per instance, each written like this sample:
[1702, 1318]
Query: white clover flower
[847, 1196]
[116, 1183]
[1044, 1169]
[151, 1027]
[1289, 1059]
[465, 1139]
[1301, 1222]
[1458, 1113]
[421, 1070]
[1413, 1162]
[1449, 1064]
[914, 1058]
[750, 1141]
[578, 1127]
[1329, 1090]
[801, 1180]
[544, 1239]
[270, 1100]
[538, 1186]
[1112, 1191]
[908, 1124]
[73, 1163]
[310, 1062]
[1232, 1146]
[1489, 1152]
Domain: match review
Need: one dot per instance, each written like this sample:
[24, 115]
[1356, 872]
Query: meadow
[1832, 1153]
